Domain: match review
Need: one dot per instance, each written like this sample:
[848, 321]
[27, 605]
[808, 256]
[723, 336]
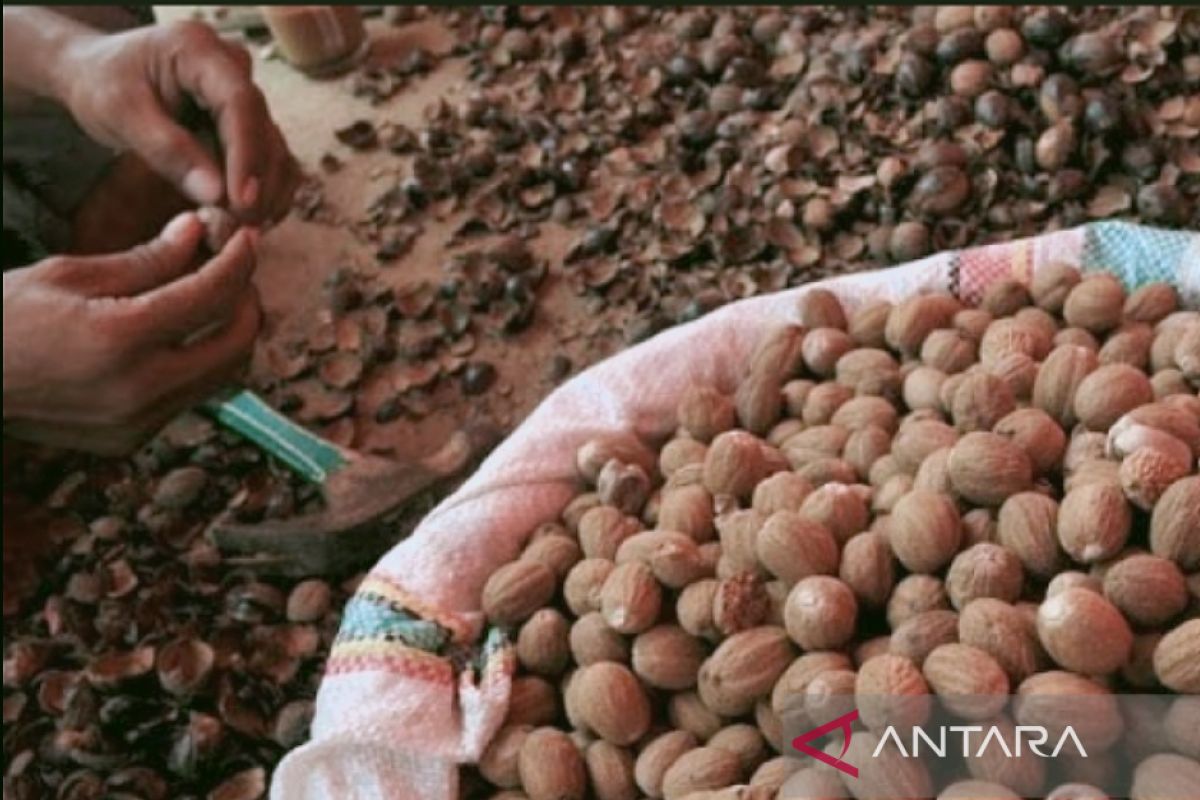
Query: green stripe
[304, 452]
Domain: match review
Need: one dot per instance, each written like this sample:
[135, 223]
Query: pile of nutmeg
[907, 500]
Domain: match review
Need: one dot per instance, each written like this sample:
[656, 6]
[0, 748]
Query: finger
[222, 85]
[160, 261]
[170, 313]
[240, 55]
[171, 379]
[281, 185]
[176, 154]
[211, 362]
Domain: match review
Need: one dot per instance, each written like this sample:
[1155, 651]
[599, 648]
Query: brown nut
[782, 491]
[821, 613]
[630, 598]
[612, 702]
[516, 590]
[694, 608]
[543, 645]
[918, 636]
[623, 486]
[1083, 632]
[499, 761]
[867, 568]
[1052, 283]
[1177, 658]
[1038, 434]
[557, 552]
[926, 531]
[735, 463]
[1059, 378]
[1094, 521]
[890, 690]
[912, 320]
[688, 509]
[823, 347]
[967, 680]
[792, 547]
[1109, 392]
[980, 401]
[595, 453]
[1175, 524]
[704, 413]
[551, 767]
[867, 371]
[658, 756]
[610, 771]
[1148, 472]
[914, 595]
[744, 668]
[1005, 297]
[1027, 526]
[667, 657]
[602, 529]
[581, 589]
[1096, 304]
[820, 308]
[591, 640]
[1005, 633]
[740, 602]
[867, 324]
[986, 468]
[984, 570]
[700, 769]
[1148, 590]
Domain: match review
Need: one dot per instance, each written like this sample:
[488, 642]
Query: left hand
[125, 90]
[101, 351]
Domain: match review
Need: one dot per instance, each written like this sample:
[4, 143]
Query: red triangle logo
[842, 723]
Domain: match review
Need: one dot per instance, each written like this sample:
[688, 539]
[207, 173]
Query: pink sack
[410, 691]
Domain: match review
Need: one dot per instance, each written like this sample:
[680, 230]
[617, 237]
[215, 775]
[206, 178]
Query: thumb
[163, 259]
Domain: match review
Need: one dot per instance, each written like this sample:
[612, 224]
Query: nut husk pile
[911, 499]
[712, 154]
[700, 156]
[144, 665]
[388, 356]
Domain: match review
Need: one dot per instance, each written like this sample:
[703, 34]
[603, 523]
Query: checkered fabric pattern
[1139, 255]
[1134, 253]
[975, 269]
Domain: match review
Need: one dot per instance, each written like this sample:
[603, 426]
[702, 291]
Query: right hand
[124, 90]
[100, 352]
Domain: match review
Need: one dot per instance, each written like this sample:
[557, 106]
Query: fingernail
[202, 185]
[180, 226]
[250, 192]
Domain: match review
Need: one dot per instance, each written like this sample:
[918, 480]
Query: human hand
[100, 352]
[125, 90]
